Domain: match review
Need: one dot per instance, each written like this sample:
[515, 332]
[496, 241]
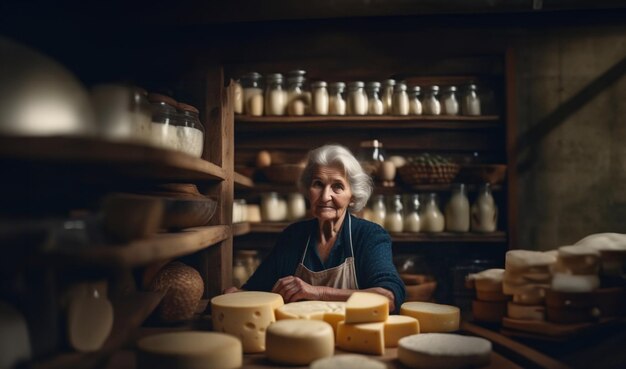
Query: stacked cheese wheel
[490, 303]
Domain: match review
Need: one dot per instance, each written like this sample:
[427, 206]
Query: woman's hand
[293, 289]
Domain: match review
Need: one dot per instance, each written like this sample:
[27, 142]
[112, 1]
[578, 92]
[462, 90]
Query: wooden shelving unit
[240, 229]
[242, 182]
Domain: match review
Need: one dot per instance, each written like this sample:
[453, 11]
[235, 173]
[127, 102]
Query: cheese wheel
[575, 283]
[348, 361]
[183, 287]
[245, 315]
[366, 338]
[578, 260]
[189, 350]
[522, 278]
[398, 326]
[299, 341]
[488, 280]
[443, 351]
[332, 312]
[526, 260]
[530, 298]
[491, 296]
[528, 288]
[491, 312]
[366, 307]
[526, 312]
[433, 317]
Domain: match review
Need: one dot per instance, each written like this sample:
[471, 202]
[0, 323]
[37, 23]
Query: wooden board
[544, 329]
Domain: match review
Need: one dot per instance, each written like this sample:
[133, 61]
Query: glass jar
[400, 100]
[471, 101]
[336, 102]
[238, 97]
[240, 274]
[240, 213]
[432, 220]
[374, 103]
[252, 94]
[371, 156]
[394, 220]
[320, 98]
[296, 206]
[415, 105]
[164, 121]
[412, 217]
[273, 207]
[458, 210]
[387, 95]
[379, 210]
[275, 96]
[122, 112]
[357, 100]
[449, 103]
[190, 131]
[484, 211]
[296, 102]
[430, 103]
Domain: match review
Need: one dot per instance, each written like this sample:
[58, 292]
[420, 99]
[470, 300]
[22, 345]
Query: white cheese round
[443, 351]
[299, 341]
[433, 317]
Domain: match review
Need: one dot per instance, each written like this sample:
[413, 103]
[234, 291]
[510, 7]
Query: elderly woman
[336, 253]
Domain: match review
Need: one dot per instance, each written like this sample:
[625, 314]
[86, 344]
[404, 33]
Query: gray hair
[360, 182]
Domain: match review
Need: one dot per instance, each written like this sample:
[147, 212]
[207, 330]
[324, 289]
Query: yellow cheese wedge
[332, 312]
[245, 315]
[348, 361]
[299, 341]
[365, 338]
[366, 307]
[443, 351]
[433, 317]
[398, 326]
[189, 350]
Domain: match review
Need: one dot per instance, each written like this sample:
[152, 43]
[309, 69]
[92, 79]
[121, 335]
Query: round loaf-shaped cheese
[299, 341]
[443, 351]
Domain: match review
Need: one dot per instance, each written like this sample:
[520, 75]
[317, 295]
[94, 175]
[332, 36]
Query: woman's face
[329, 193]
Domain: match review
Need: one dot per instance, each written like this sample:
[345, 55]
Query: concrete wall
[571, 98]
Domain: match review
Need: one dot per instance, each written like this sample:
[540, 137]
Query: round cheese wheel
[189, 350]
[433, 317]
[332, 312]
[443, 351]
[526, 312]
[299, 341]
[348, 361]
[488, 280]
[530, 298]
[527, 260]
[184, 288]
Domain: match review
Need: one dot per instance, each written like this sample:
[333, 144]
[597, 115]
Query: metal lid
[337, 85]
[318, 84]
[372, 143]
[450, 89]
[356, 84]
[295, 80]
[296, 73]
[161, 99]
[274, 77]
[471, 86]
[389, 82]
[415, 89]
[401, 86]
[252, 76]
[434, 88]
[372, 85]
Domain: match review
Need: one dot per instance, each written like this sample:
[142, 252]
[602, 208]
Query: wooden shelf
[268, 227]
[260, 187]
[253, 124]
[145, 251]
[240, 229]
[242, 181]
[93, 155]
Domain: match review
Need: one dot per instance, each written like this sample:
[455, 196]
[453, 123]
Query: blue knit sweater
[372, 254]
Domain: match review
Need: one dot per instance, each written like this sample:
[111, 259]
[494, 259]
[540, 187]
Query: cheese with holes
[398, 326]
[348, 361]
[245, 315]
[299, 341]
[332, 312]
[366, 307]
[189, 350]
[443, 351]
[526, 312]
[365, 338]
[433, 317]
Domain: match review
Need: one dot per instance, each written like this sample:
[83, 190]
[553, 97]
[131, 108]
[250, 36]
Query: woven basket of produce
[428, 169]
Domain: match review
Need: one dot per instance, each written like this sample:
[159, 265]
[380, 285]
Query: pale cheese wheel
[576, 251]
[398, 326]
[299, 341]
[183, 287]
[332, 312]
[520, 260]
[366, 307]
[488, 280]
[605, 241]
[443, 351]
[575, 283]
[347, 361]
[526, 312]
[536, 297]
[189, 350]
[433, 317]
[245, 315]
[365, 338]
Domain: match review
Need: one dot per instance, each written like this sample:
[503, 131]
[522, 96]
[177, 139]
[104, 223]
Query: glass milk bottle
[387, 95]
[379, 211]
[275, 96]
[296, 206]
[484, 211]
[394, 221]
[238, 98]
[458, 210]
[415, 105]
[430, 104]
[252, 94]
[449, 103]
[296, 104]
[400, 100]
[431, 217]
[412, 217]
[471, 102]
[336, 102]
[319, 103]
[374, 103]
[273, 207]
[357, 100]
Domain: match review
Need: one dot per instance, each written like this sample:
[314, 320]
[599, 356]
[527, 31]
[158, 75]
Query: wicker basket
[420, 173]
